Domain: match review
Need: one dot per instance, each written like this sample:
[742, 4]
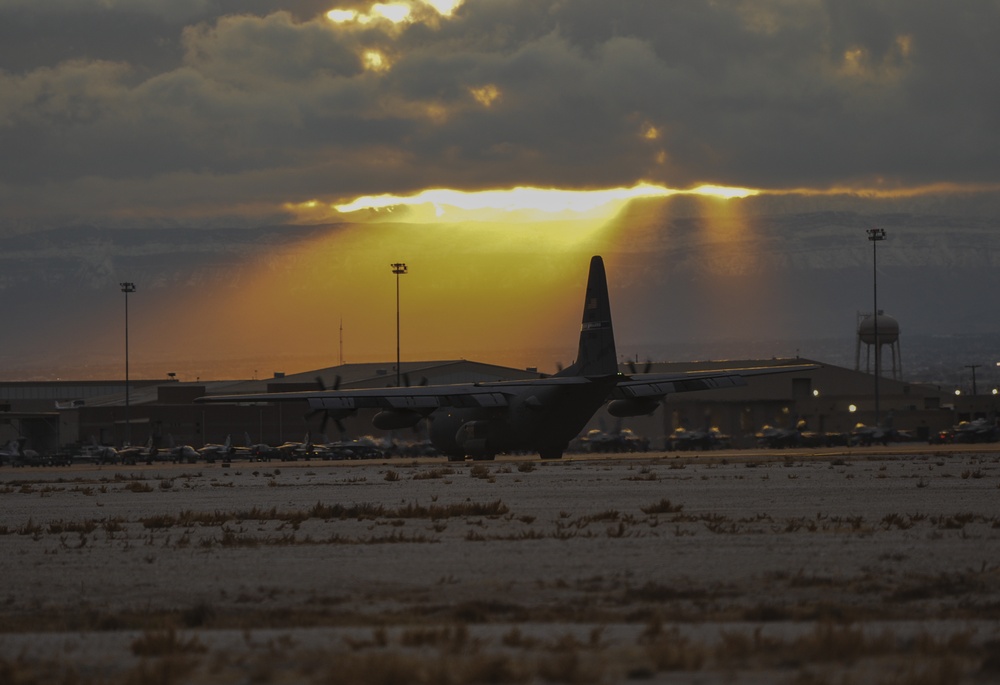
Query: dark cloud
[217, 107]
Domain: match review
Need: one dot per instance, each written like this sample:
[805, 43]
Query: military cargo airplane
[481, 420]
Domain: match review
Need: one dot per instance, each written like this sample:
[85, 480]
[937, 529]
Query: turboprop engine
[636, 406]
[479, 439]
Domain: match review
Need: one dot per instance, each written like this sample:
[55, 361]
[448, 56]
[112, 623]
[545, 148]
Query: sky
[427, 114]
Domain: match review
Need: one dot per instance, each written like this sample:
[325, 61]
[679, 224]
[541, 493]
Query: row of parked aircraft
[15, 454]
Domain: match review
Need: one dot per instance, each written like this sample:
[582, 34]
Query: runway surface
[861, 565]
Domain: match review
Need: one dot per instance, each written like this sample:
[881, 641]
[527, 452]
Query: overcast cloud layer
[218, 109]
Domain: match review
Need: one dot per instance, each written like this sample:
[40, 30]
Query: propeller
[645, 369]
[408, 384]
[325, 412]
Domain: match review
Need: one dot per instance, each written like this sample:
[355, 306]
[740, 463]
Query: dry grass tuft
[664, 506]
[165, 643]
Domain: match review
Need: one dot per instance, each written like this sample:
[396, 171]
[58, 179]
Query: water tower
[888, 334]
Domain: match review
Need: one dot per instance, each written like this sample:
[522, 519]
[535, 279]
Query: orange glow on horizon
[890, 193]
[496, 294]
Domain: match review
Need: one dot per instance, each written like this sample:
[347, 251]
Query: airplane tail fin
[596, 356]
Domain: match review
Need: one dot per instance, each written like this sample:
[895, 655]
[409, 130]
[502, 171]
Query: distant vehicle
[481, 420]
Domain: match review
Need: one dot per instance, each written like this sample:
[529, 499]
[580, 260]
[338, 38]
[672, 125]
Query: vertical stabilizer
[596, 356]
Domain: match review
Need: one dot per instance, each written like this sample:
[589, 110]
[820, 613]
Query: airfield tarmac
[843, 566]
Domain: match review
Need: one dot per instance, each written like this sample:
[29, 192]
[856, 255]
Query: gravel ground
[863, 566]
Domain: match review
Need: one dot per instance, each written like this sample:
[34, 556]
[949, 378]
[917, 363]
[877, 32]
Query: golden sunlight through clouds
[494, 276]
[554, 202]
[395, 12]
[488, 292]
[485, 95]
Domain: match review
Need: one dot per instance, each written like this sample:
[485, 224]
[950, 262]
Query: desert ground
[859, 566]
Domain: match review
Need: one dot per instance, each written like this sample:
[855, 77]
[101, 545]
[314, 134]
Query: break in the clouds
[196, 109]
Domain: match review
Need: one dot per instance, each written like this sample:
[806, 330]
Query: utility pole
[127, 288]
[973, 367]
[399, 268]
[875, 235]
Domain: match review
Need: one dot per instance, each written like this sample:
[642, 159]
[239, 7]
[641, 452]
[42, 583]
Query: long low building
[54, 415]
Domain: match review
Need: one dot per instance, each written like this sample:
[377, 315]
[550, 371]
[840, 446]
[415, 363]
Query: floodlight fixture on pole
[399, 268]
[875, 235]
[127, 288]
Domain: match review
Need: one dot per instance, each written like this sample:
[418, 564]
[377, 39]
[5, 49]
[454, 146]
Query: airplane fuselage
[542, 418]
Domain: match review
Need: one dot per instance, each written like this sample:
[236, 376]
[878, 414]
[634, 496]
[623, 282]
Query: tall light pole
[875, 235]
[973, 367]
[127, 288]
[399, 268]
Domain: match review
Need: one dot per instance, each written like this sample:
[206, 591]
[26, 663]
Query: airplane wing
[657, 385]
[421, 398]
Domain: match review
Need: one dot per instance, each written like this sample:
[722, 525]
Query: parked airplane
[260, 451]
[483, 419]
[181, 453]
[134, 453]
[95, 452]
[211, 451]
[15, 453]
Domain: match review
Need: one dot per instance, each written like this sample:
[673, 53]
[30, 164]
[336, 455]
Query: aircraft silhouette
[481, 420]
[15, 453]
